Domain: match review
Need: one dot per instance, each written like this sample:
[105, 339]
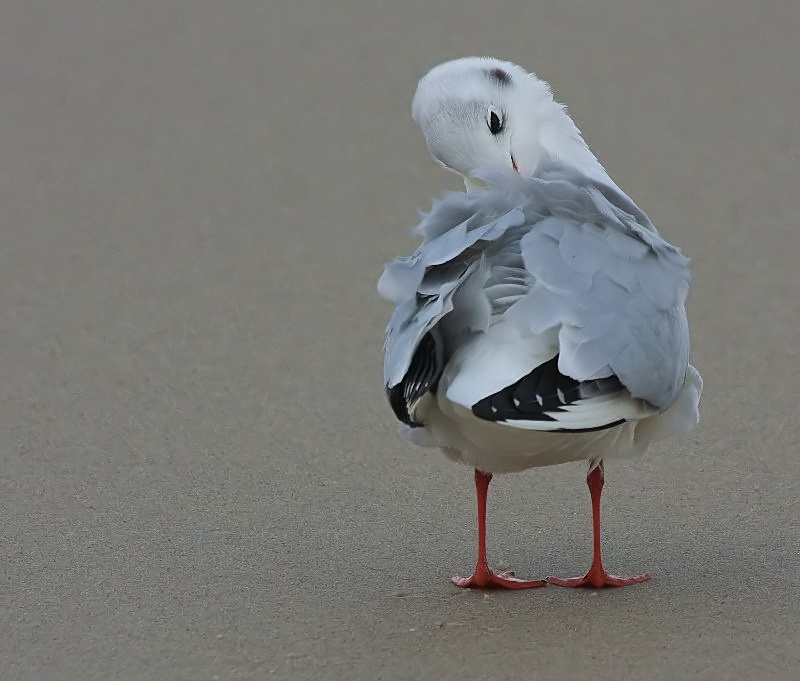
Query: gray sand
[200, 476]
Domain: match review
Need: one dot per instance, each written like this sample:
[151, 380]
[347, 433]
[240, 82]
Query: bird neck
[558, 139]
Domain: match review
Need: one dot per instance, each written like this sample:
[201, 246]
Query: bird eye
[495, 121]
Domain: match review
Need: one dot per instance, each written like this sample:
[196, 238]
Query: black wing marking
[543, 390]
[421, 378]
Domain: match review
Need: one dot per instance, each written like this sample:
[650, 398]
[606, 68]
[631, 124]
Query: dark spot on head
[497, 74]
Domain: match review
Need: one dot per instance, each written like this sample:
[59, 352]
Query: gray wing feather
[409, 323]
[556, 251]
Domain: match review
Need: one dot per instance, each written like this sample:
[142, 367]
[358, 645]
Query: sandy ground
[200, 477]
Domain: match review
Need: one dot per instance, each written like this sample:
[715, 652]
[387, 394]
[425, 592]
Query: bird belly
[496, 447]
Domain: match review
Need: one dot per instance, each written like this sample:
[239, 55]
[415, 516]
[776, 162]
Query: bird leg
[597, 576]
[483, 577]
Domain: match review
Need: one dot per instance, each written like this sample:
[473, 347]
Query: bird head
[479, 113]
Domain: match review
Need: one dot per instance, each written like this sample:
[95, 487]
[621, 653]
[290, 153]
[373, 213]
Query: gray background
[200, 476]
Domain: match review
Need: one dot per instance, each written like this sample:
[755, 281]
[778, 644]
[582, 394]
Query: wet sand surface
[200, 476]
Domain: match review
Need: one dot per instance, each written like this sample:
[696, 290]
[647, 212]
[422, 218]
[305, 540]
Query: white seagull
[542, 319]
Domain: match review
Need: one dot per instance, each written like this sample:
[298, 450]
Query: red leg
[597, 576]
[483, 577]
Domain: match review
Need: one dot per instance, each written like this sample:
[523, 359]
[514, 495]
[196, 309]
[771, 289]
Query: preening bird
[542, 319]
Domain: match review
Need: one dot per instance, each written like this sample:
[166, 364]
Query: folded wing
[549, 303]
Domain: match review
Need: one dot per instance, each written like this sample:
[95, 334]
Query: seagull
[541, 320]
